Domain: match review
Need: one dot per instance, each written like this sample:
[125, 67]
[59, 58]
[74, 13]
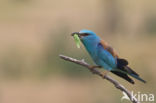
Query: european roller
[105, 56]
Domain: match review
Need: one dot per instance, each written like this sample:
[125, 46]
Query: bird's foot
[93, 67]
[105, 73]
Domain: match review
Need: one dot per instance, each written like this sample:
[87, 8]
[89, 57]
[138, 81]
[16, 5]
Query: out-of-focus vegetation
[34, 32]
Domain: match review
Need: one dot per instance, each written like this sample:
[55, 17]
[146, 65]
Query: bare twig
[97, 72]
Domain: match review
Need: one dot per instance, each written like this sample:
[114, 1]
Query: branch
[97, 72]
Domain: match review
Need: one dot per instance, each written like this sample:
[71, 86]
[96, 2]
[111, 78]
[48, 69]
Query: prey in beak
[77, 38]
[76, 33]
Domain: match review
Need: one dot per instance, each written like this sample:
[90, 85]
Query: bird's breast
[92, 50]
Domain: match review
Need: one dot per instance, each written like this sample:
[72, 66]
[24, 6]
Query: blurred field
[34, 32]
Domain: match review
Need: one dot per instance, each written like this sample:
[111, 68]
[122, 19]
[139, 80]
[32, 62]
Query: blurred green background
[34, 32]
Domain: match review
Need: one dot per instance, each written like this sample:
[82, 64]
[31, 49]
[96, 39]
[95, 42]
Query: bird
[106, 57]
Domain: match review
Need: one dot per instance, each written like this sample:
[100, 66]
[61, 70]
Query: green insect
[77, 40]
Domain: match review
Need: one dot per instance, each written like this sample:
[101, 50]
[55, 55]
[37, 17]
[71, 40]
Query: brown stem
[97, 72]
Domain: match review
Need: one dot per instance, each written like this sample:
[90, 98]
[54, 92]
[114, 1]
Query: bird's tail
[122, 66]
[129, 71]
[133, 74]
[137, 77]
[123, 76]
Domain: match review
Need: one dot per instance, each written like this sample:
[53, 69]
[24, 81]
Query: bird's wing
[119, 66]
[109, 48]
[110, 57]
[119, 62]
[106, 58]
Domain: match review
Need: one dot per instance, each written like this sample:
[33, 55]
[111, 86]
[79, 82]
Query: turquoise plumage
[105, 56]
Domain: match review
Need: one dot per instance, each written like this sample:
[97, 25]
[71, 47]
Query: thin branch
[97, 72]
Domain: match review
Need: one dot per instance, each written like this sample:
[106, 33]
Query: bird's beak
[75, 33]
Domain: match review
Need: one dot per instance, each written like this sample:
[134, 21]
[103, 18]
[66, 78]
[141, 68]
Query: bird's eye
[85, 34]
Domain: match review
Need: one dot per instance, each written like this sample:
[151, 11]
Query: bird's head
[87, 35]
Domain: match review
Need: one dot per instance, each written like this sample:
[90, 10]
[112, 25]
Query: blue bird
[105, 56]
